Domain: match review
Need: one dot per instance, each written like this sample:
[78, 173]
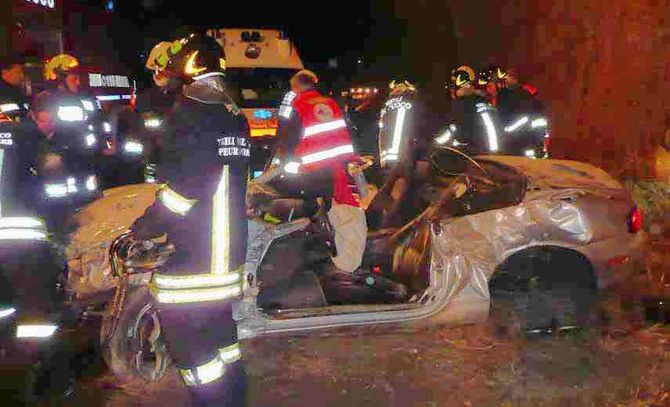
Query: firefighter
[14, 103]
[314, 147]
[474, 125]
[402, 124]
[65, 170]
[140, 132]
[201, 206]
[522, 115]
[74, 111]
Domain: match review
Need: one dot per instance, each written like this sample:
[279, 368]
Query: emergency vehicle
[259, 65]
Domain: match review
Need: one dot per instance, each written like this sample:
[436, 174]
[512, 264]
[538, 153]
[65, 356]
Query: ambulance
[259, 65]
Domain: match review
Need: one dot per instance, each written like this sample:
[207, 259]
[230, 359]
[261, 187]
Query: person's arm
[288, 136]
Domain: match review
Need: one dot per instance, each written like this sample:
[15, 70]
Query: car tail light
[635, 220]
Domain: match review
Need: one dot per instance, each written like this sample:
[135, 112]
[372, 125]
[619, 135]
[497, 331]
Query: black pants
[196, 331]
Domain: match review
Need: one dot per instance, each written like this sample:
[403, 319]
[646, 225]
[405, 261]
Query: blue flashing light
[110, 5]
[262, 114]
[257, 174]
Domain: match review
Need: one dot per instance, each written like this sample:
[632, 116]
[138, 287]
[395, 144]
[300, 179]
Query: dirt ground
[627, 364]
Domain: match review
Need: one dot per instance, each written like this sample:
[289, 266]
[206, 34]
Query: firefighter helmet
[462, 76]
[401, 88]
[191, 57]
[59, 66]
[158, 51]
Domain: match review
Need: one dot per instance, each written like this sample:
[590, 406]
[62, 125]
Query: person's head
[72, 82]
[303, 81]
[512, 77]
[64, 69]
[462, 79]
[192, 59]
[43, 114]
[157, 61]
[11, 70]
[403, 88]
[486, 81]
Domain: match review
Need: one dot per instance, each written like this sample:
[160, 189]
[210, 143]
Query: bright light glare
[292, 167]
[71, 113]
[490, 132]
[91, 183]
[5, 312]
[35, 331]
[152, 123]
[133, 147]
[90, 140]
[514, 126]
[88, 105]
[541, 122]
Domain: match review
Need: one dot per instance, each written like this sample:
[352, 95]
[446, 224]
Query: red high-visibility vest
[325, 139]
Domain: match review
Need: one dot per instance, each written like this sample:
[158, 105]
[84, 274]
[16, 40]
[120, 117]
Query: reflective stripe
[285, 111]
[175, 202]
[196, 281]
[88, 105]
[152, 123]
[541, 122]
[516, 124]
[446, 136]
[490, 132]
[21, 222]
[285, 108]
[221, 225]
[35, 331]
[71, 113]
[219, 283]
[324, 127]
[133, 147]
[2, 159]
[5, 312]
[397, 131]
[208, 75]
[327, 154]
[231, 354]
[201, 295]
[9, 107]
[287, 100]
[22, 234]
[214, 369]
[292, 167]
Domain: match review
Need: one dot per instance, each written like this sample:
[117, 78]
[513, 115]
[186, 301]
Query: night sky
[395, 39]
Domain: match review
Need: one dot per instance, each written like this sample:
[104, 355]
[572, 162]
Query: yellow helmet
[399, 88]
[462, 76]
[158, 56]
[60, 65]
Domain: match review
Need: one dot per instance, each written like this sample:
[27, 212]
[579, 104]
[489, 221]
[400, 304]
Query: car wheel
[545, 290]
[135, 349]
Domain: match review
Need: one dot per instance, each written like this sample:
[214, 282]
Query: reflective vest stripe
[324, 127]
[175, 202]
[219, 283]
[491, 133]
[196, 295]
[327, 154]
[221, 225]
[2, 165]
[214, 369]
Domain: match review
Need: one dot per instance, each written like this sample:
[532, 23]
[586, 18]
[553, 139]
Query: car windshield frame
[268, 84]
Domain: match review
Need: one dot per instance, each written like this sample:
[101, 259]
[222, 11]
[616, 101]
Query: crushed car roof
[543, 174]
